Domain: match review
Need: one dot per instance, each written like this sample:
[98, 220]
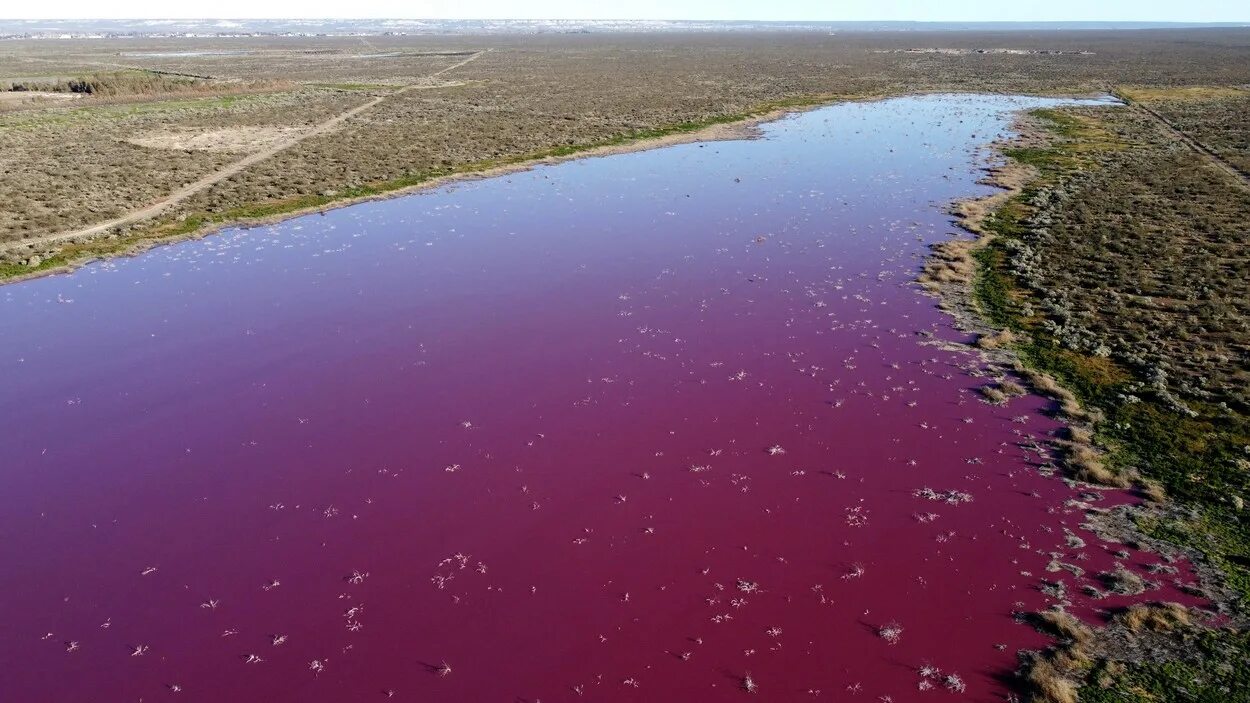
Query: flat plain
[520, 98]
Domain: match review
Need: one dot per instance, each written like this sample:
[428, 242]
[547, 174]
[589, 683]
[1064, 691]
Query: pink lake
[622, 429]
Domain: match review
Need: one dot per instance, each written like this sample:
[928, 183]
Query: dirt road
[229, 170]
[1215, 159]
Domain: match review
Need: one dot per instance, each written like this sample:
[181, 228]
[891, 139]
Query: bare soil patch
[28, 98]
[233, 140]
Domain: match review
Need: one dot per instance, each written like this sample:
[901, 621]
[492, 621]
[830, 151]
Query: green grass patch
[1217, 672]
[993, 289]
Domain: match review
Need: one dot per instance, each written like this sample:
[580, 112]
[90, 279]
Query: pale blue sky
[917, 10]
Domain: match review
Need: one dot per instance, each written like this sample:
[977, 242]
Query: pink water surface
[521, 427]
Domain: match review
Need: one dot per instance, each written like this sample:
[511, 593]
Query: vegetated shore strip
[106, 240]
[950, 274]
[1156, 645]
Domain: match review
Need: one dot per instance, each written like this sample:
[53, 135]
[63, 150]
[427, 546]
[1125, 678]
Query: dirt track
[227, 171]
[1215, 159]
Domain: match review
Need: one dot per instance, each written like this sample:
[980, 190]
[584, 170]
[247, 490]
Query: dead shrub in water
[1122, 581]
[748, 684]
[1002, 391]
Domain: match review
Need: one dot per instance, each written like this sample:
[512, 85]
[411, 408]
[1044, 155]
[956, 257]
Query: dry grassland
[68, 167]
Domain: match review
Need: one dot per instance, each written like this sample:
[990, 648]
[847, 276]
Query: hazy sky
[921, 10]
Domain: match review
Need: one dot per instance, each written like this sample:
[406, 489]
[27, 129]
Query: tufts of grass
[1158, 617]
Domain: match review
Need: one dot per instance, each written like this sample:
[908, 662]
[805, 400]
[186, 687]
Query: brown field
[71, 165]
[1144, 259]
[1215, 116]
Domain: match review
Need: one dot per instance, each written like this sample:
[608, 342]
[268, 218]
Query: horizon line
[613, 19]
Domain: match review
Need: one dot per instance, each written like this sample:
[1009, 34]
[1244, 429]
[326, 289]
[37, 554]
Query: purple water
[622, 429]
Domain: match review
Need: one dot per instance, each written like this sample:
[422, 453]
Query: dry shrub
[1085, 463]
[1002, 391]
[1047, 385]
[994, 395]
[1110, 671]
[1160, 617]
[996, 340]
[1049, 684]
[947, 272]
[1048, 674]
[1063, 625]
[1123, 581]
[1011, 389]
[1080, 435]
[1154, 491]
[951, 262]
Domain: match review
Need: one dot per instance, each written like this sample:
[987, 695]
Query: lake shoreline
[952, 274]
[732, 130]
[747, 128]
